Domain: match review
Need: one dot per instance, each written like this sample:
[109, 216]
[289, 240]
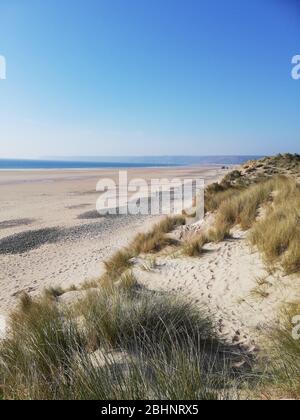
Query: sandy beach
[50, 234]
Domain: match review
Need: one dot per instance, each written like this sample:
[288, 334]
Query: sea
[121, 162]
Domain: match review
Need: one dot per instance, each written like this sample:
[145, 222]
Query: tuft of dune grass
[133, 316]
[216, 194]
[291, 259]
[233, 206]
[156, 239]
[170, 223]
[283, 373]
[150, 242]
[277, 235]
[219, 232]
[39, 350]
[49, 354]
[118, 263]
[193, 247]
[54, 292]
[242, 208]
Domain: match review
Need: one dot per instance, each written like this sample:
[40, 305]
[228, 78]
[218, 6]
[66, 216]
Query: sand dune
[225, 279]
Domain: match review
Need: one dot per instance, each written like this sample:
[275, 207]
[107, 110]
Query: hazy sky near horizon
[141, 77]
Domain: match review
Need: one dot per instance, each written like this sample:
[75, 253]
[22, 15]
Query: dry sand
[50, 234]
[230, 280]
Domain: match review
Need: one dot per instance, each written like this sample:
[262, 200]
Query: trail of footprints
[211, 281]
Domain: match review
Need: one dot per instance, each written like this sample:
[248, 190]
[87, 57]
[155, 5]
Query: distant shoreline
[121, 163]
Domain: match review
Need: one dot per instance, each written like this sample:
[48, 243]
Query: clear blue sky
[149, 77]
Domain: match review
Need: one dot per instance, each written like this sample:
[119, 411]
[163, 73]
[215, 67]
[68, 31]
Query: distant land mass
[164, 160]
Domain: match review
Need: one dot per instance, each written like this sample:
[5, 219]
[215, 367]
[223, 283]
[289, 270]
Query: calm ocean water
[122, 162]
[18, 164]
